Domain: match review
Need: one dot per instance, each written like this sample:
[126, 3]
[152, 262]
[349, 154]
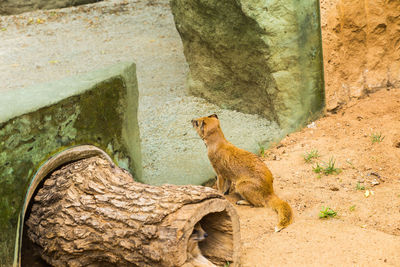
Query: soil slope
[366, 230]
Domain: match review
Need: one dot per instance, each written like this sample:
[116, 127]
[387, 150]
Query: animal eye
[195, 232]
[197, 123]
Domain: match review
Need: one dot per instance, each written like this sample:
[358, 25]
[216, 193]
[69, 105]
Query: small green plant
[309, 156]
[317, 168]
[352, 208]
[330, 167]
[261, 150]
[327, 168]
[359, 186]
[327, 212]
[227, 264]
[377, 138]
[348, 161]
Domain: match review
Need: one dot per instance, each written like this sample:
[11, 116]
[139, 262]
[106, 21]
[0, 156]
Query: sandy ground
[366, 231]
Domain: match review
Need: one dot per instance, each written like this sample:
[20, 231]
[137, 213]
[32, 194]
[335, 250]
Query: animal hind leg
[251, 194]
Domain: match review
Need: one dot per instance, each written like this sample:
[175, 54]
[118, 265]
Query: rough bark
[91, 213]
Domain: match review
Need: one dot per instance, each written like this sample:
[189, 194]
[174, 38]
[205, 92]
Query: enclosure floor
[47, 45]
[366, 229]
[365, 232]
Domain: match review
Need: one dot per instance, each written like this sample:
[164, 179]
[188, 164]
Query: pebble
[312, 125]
[276, 158]
[375, 182]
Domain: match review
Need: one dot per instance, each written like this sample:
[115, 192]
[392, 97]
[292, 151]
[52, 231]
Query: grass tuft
[327, 168]
[359, 186]
[330, 167]
[317, 168]
[261, 150]
[309, 156]
[377, 138]
[327, 213]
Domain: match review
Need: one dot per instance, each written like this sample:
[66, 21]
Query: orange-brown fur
[245, 172]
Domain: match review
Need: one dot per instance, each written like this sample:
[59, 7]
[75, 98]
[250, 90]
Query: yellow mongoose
[244, 171]
[194, 256]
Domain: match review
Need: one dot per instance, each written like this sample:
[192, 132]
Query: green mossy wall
[103, 112]
[255, 56]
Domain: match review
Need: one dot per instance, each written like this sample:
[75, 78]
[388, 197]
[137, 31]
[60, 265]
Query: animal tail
[282, 208]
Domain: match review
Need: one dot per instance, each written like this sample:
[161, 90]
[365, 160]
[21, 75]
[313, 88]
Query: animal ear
[213, 116]
[202, 123]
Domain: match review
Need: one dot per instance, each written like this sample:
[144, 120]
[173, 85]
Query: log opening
[220, 235]
[90, 212]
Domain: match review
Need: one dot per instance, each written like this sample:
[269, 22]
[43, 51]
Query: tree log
[91, 213]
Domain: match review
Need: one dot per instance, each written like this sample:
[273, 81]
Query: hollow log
[92, 213]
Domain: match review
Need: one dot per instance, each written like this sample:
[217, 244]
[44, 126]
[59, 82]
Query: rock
[396, 140]
[20, 6]
[258, 57]
[99, 108]
[334, 188]
[374, 174]
[375, 182]
[312, 125]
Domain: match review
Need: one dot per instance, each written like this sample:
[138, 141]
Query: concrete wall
[8, 7]
[98, 108]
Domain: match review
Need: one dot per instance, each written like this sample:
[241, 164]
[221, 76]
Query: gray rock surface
[79, 39]
[259, 57]
[8, 7]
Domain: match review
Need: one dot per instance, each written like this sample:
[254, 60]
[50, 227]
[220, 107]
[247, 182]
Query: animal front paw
[242, 202]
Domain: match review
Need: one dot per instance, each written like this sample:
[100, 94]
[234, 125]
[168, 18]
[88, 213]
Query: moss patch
[95, 116]
[254, 56]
